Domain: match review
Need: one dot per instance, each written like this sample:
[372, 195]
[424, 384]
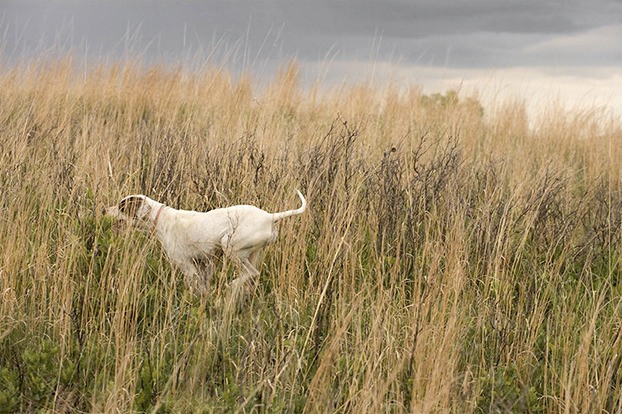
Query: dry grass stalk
[453, 259]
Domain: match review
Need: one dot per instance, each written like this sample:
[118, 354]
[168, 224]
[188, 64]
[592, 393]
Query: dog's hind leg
[255, 258]
[248, 273]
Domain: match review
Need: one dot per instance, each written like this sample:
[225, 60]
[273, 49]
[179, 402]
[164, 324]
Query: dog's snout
[111, 211]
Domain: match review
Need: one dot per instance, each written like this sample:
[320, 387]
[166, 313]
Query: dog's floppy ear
[134, 207]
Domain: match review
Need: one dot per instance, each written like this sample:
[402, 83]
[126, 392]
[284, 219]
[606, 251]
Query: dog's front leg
[192, 276]
[204, 277]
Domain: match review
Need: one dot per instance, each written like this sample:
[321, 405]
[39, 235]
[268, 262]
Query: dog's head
[133, 210]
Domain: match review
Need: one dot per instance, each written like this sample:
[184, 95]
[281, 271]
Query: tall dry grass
[454, 258]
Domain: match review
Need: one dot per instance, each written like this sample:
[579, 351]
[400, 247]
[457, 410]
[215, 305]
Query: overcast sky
[541, 48]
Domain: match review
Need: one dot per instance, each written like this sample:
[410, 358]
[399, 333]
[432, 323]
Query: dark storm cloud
[441, 32]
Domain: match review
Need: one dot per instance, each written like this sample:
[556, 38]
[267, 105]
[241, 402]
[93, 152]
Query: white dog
[193, 239]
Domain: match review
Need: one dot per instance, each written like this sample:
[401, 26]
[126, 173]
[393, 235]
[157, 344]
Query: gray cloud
[567, 48]
[440, 32]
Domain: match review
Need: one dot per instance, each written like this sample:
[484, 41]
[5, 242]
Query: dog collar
[157, 217]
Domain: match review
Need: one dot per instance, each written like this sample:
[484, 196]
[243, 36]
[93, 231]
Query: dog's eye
[130, 206]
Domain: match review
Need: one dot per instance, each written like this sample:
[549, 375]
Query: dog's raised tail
[284, 214]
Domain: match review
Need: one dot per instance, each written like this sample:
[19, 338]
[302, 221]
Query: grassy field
[454, 257]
